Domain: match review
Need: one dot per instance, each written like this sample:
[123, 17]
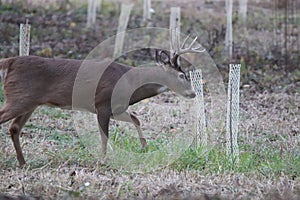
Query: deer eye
[181, 76]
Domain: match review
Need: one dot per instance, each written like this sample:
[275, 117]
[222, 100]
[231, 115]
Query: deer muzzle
[190, 94]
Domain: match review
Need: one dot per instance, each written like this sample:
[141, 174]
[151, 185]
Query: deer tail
[4, 65]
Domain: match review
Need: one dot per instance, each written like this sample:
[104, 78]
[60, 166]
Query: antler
[189, 49]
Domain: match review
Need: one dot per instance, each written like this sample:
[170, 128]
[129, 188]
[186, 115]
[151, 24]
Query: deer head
[170, 63]
[172, 60]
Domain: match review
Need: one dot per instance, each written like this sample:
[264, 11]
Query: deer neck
[149, 89]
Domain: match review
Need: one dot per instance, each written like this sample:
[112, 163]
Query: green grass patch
[11, 8]
[268, 162]
[35, 128]
[55, 113]
[129, 143]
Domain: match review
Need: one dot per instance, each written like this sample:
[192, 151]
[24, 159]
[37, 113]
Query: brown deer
[31, 81]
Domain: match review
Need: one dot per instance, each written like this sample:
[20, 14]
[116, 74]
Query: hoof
[143, 143]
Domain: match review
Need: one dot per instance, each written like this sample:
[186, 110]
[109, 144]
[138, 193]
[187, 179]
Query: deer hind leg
[126, 117]
[21, 114]
[15, 129]
[7, 113]
[15, 108]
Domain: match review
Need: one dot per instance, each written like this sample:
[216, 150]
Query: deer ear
[162, 57]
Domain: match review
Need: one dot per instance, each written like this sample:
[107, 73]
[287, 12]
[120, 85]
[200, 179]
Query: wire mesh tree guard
[24, 43]
[232, 119]
[197, 84]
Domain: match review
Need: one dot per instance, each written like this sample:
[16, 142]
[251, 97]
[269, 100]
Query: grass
[55, 113]
[59, 163]
[64, 146]
[273, 159]
[66, 149]
[132, 144]
[269, 162]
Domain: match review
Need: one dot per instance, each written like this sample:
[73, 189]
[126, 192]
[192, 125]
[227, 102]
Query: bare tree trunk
[243, 9]
[98, 5]
[91, 13]
[123, 22]
[147, 13]
[175, 28]
[228, 42]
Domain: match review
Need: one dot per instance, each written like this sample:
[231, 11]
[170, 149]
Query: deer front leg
[137, 125]
[126, 117]
[103, 116]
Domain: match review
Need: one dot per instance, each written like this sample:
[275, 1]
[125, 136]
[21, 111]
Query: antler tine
[190, 47]
[184, 42]
[197, 49]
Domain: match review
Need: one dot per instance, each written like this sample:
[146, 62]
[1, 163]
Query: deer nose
[192, 95]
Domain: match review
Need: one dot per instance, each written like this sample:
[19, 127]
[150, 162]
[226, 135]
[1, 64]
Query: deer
[32, 81]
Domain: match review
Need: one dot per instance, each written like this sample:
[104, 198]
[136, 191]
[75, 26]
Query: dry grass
[275, 116]
[59, 168]
[91, 183]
